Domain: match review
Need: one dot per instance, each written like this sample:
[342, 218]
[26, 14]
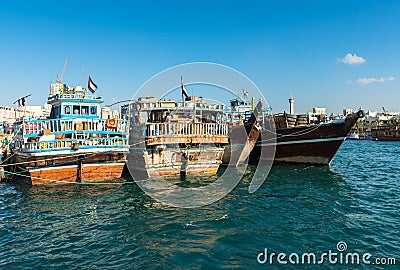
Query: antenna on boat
[59, 79]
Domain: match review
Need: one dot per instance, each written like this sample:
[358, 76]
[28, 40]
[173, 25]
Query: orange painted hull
[70, 174]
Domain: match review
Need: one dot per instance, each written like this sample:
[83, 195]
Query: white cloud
[366, 81]
[351, 59]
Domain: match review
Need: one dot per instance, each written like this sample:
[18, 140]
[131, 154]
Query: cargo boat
[171, 137]
[298, 140]
[73, 145]
[290, 138]
[388, 132]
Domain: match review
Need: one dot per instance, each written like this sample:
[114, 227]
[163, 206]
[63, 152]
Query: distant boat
[388, 132]
[73, 145]
[353, 136]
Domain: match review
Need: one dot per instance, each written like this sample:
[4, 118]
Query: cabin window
[67, 109]
[57, 111]
[93, 110]
[85, 109]
[76, 109]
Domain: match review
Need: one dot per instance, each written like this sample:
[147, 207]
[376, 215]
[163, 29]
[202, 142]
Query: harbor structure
[291, 105]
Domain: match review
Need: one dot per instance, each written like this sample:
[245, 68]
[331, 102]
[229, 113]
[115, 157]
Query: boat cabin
[239, 110]
[74, 102]
[75, 117]
[153, 110]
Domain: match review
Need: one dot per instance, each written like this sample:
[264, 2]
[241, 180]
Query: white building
[347, 112]
[318, 114]
[8, 114]
[380, 116]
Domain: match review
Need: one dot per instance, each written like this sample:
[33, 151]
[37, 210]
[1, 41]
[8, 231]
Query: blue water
[298, 209]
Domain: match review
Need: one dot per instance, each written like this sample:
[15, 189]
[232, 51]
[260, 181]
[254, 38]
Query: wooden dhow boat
[298, 140]
[74, 144]
[290, 138]
[387, 132]
[171, 137]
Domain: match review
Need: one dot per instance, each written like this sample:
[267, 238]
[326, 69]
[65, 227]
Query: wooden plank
[102, 171]
[54, 175]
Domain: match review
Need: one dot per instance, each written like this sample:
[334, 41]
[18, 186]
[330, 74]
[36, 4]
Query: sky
[334, 54]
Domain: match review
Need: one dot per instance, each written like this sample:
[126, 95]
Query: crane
[59, 79]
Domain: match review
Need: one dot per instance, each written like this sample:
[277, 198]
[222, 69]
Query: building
[382, 117]
[347, 112]
[317, 115]
[9, 115]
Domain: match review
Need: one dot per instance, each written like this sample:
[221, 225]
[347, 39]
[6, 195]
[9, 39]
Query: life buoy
[112, 123]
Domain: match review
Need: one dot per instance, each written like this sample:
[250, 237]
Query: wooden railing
[210, 129]
[113, 142]
[60, 125]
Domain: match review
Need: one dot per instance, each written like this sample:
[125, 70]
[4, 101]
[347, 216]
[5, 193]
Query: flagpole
[20, 101]
[183, 102]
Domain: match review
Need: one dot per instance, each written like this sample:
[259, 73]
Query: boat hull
[314, 151]
[78, 167]
[173, 162]
[309, 144]
[386, 133]
[69, 174]
[202, 169]
[242, 140]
